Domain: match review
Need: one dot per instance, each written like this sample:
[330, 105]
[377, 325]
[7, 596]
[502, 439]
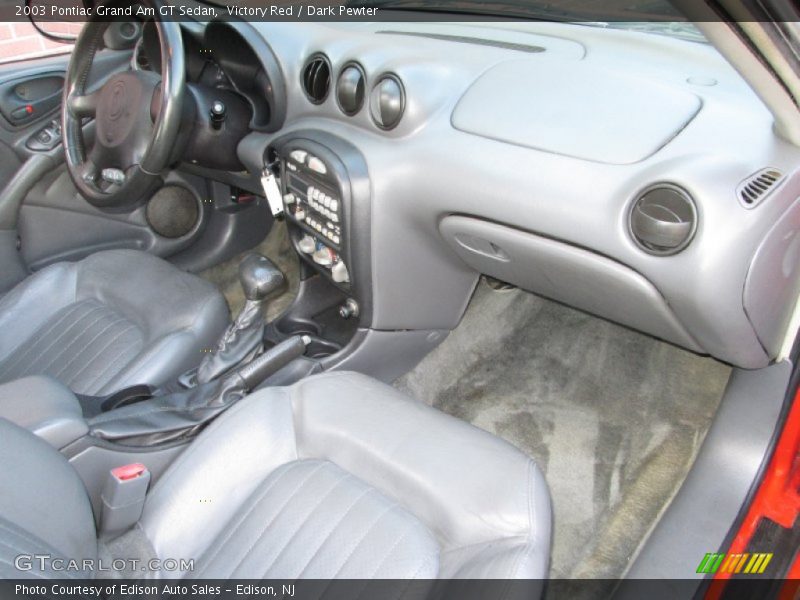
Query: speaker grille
[173, 211]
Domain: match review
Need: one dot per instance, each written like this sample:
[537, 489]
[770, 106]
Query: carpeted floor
[278, 248]
[613, 417]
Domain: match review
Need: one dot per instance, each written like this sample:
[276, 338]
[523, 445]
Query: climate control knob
[323, 256]
[307, 244]
[339, 273]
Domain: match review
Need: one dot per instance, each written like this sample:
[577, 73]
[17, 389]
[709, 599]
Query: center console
[326, 202]
[313, 204]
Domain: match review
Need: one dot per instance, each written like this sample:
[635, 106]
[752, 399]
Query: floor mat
[278, 248]
[613, 417]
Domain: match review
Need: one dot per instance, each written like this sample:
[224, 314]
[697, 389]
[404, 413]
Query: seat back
[44, 508]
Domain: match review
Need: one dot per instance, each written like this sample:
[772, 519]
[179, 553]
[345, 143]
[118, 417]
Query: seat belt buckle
[122, 499]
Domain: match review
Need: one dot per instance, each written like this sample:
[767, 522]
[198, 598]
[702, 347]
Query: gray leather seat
[114, 319]
[338, 476]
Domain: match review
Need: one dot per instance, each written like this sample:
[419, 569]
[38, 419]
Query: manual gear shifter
[243, 339]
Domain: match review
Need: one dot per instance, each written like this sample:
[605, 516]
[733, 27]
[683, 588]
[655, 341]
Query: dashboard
[633, 176]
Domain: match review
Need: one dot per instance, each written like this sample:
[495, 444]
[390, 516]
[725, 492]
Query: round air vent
[387, 101]
[317, 78]
[350, 89]
[173, 211]
[663, 219]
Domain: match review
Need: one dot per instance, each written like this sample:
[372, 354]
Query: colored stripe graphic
[751, 564]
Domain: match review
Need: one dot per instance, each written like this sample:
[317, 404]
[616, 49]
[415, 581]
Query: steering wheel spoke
[83, 106]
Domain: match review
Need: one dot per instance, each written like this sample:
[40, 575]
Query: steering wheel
[137, 119]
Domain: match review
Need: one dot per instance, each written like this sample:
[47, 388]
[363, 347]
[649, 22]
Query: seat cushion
[340, 475]
[311, 519]
[114, 319]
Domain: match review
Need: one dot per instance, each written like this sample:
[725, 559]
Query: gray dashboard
[520, 155]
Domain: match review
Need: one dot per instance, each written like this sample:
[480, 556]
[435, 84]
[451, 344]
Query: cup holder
[126, 397]
[299, 326]
[320, 348]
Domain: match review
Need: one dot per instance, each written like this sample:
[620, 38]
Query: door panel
[23, 100]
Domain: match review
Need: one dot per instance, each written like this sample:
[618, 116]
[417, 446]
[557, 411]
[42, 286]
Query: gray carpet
[613, 417]
[278, 248]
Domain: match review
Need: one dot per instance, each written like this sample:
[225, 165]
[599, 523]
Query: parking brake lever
[179, 415]
[272, 361]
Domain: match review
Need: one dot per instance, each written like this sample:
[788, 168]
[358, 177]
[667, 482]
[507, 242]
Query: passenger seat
[338, 476]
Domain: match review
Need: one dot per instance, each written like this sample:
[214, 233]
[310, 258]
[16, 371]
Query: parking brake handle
[181, 414]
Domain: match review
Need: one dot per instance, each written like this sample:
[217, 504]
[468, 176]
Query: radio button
[317, 165]
[299, 155]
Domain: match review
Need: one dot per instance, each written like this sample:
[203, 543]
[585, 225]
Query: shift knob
[259, 277]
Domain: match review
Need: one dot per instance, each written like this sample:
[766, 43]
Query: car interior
[390, 299]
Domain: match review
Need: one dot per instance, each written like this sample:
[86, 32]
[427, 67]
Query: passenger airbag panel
[568, 108]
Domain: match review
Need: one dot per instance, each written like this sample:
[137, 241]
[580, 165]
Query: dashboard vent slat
[350, 89]
[317, 78]
[758, 186]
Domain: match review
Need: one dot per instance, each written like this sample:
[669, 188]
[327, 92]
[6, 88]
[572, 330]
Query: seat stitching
[364, 536]
[41, 335]
[389, 552]
[14, 547]
[304, 520]
[242, 518]
[255, 504]
[86, 346]
[35, 573]
[24, 535]
[280, 512]
[50, 326]
[336, 526]
[63, 350]
[88, 362]
[122, 354]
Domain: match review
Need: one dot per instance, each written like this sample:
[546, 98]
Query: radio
[313, 201]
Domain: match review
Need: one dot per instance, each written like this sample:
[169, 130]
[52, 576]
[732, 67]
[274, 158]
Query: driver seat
[115, 319]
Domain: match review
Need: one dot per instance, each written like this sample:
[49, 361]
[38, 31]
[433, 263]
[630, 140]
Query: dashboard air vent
[387, 102]
[663, 219]
[350, 89]
[317, 78]
[758, 186]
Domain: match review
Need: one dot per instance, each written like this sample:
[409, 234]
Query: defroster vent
[758, 186]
